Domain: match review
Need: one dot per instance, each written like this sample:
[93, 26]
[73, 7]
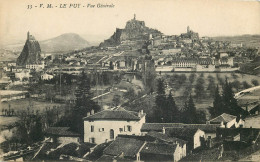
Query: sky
[171, 17]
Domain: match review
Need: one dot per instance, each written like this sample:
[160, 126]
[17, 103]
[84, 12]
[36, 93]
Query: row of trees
[166, 109]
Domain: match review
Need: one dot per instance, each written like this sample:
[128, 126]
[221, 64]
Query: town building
[195, 137]
[106, 125]
[227, 121]
[46, 76]
[62, 135]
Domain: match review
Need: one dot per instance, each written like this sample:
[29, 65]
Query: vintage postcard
[129, 80]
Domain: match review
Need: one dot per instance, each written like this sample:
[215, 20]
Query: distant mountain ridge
[63, 43]
[248, 40]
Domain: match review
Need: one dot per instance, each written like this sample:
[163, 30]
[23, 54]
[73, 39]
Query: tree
[160, 100]
[190, 112]
[229, 102]
[192, 78]
[236, 84]
[199, 88]
[255, 82]
[211, 86]
[116, 100]
[171, 112]
[130, 94]
[217, 104]
[84, 104]
[29, 127]
[246, 85]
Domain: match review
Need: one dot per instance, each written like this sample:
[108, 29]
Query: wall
[103, 136]
[212, 135]
[67, 139]
[196, 139]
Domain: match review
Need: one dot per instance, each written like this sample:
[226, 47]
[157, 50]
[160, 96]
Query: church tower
[28, 35]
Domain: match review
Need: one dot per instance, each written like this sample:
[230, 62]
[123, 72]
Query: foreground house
[106, 125]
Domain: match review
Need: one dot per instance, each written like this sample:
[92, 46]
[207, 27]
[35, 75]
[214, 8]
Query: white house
[227, 121]
[106, 125]
[46, 76]
[194, 136]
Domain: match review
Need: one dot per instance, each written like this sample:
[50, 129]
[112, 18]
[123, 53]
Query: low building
[209, 129]
[155, 146]
[62, 135]
[8, 95]
[195, 137]
[25, 74]
[106, 125]
[46, 76]
[227, 121]
[126, 148]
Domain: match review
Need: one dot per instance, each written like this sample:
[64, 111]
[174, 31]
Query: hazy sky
[208, 17]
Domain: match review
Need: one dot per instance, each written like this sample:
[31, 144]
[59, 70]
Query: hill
[135, 30]
[64, 42]
[248, 40]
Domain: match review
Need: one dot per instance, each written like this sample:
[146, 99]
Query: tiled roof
[223, 118]
[165, 137]
[208, 128]
[186, 134]
[159, 148]
[146, 127]
[128, 146]
[61, 131]
[115, 115]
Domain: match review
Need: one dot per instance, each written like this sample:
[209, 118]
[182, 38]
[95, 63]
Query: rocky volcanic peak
[30, 53]
[134, 30]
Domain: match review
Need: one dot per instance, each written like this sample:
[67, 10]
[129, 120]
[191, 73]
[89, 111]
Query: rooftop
[223, 118]
[159, 148]
[185, 134]
[115, 115]
[208, 128]
[165, 137]
[61, 131]
[128, 146]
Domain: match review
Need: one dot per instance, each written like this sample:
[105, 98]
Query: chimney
[163, 130]
[88, 114]
[141, 112]
[92, 112]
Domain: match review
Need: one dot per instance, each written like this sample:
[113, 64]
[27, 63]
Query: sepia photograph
[129, 80]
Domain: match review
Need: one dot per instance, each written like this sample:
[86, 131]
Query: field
[24, 103]
[179, 90]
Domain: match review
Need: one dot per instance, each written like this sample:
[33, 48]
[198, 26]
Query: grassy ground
[24, 103]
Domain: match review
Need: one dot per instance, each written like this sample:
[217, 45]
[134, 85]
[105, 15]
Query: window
[121, 130]
[92, 140]
[129, 128]
[101, 129]
[92, 128]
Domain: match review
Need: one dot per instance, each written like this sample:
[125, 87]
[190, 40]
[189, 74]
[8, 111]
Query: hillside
[248, 40]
